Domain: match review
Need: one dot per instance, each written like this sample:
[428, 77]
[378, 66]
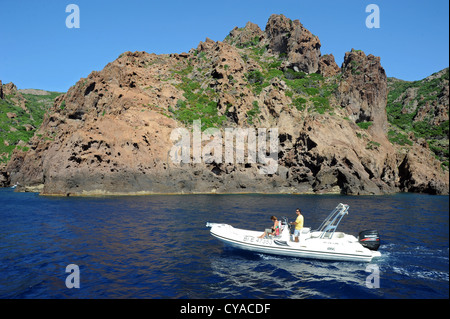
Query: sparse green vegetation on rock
[20, 115]
[420, 109]
[199, 103]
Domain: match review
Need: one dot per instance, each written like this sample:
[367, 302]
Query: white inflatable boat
[323, 243]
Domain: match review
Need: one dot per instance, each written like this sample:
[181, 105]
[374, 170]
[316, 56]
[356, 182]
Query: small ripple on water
[153, 247]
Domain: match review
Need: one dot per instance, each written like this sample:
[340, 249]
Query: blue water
[159, 247]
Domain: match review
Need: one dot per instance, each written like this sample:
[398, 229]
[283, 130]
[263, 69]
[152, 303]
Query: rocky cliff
[111, 132]
[418, 112]
[21, 112]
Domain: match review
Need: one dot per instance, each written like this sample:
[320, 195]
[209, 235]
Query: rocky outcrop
[289, 37]
[328, 66]
[243, 37]
[363, 89]
[418, 112]
[111, 132]
[435, 110]
[8, 88]
[4, 179]
[420, 172]
[106, 131]
[427, 100]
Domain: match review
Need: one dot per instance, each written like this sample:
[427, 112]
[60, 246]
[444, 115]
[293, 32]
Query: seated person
[274, 230]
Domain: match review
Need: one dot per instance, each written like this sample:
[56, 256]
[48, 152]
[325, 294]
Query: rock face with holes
[111, 132]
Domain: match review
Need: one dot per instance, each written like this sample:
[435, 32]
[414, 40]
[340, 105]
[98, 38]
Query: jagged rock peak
[363, 89]
[282, 36]
[328, 66]
[242, 37]
[6, 89]
[290, 38]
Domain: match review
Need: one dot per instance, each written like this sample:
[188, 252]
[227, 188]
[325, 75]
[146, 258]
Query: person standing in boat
[298, 224]
[275, 230]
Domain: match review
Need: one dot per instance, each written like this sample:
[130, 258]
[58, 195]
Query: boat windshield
[329, 225]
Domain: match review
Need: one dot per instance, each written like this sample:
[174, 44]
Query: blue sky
[37, 50]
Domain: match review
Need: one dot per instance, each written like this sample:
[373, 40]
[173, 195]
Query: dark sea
[158, 247]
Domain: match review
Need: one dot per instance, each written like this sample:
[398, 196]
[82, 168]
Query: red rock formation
[328, 66]
[110, 133]
[290, 38]
[363, 89]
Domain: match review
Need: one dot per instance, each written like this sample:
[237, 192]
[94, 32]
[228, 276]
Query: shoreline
[103, 193]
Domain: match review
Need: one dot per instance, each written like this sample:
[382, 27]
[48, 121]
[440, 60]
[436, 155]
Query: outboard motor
[369, 239]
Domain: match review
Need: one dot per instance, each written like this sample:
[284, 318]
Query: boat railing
[330, 224]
